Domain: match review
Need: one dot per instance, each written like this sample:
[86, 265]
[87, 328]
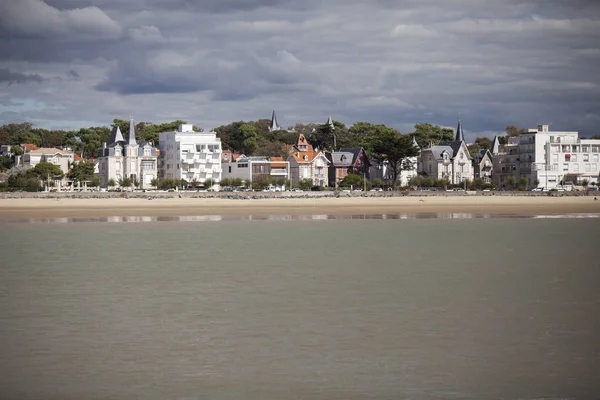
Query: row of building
[538, 158]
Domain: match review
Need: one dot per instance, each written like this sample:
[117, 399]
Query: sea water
[300, 308]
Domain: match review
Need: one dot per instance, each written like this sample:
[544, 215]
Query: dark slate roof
[479, 156]
[341, 159]
[131, 137]
[460, 136]
[455, 146]
[354, 150]
[437, 151]
[115, 135]
[274, 126]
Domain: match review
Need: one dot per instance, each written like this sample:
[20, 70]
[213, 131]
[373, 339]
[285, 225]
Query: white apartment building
[189, 155]
[551, 158]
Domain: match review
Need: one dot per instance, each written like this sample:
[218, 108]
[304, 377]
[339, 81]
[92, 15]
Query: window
[594, 157]
[147, 152]
[243, 165]
[117, 151]
[574, 158]
[200, 147]
[586, 157]
[567, 157]
[565, 167]
[576, 167]
[177, 166]
[230, 169]
[587, 167]
[594, 167]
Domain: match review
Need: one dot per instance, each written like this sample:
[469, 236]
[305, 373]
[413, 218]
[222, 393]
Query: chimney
[103, 145]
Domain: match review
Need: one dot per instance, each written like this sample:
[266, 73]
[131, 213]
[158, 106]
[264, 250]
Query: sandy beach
[99, 207]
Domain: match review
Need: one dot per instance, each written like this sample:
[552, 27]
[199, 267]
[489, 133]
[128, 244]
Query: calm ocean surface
[487, 308]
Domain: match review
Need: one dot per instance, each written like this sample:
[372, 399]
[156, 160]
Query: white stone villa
[306, 163]
[450, 160]
[193, 156]
[548, 159]
[131, 158]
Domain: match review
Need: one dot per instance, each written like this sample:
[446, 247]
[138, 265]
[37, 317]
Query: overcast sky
[76, 63]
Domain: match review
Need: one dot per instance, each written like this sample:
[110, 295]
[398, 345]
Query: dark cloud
[393, 62]
[10, 77]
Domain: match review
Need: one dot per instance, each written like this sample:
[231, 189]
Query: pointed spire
[460, 136]
[495, 145]
[131, 138]
[274, 126]
[116, 135]
[330, 123]
[414, 142]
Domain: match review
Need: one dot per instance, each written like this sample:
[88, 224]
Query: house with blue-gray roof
[448, 160]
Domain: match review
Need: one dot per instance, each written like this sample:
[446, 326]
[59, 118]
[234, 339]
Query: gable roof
[356, 151]
[305, 156]
[455, 146]
[341, 159]
[480, 155]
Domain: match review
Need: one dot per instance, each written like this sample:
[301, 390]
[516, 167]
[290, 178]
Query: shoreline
[62, 207]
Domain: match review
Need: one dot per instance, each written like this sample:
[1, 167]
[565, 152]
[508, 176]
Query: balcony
[278, 172]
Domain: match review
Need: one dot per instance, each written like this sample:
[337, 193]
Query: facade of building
[189, 155]
[257, 168]
[448, 160]
[306, 163]
[505, 163]
[548, 159]
[483, 166]
[61, 158]
[132, 159]
[349, 160]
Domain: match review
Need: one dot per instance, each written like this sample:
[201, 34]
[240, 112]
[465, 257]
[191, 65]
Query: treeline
[248, 137]
[85, 141]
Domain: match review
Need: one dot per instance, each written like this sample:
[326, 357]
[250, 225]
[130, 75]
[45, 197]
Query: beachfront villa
[132, 159]
[306, 163]
[349, 160]
[34, 155]
[483, 165]
[193, 156]
[256, 168]
[548, 159]
[448, 160]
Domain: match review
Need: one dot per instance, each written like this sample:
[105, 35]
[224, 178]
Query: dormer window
[305, 157]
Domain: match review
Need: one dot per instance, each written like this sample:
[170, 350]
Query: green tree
[24, 181]
[125, 182]
[154, 182]
[249, 138]
[305, 184]
[426, 132]
[45, 170]
[396, 149]
[353, 180]
[95, 181]
[81, 171]
[209, 183]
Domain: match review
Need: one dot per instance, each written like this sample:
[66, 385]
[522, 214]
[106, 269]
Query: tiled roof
[277, 162]
[305, 156]
[235, 156]
[341, 159]
[29, 146]
[77, 157]
[51, 150]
